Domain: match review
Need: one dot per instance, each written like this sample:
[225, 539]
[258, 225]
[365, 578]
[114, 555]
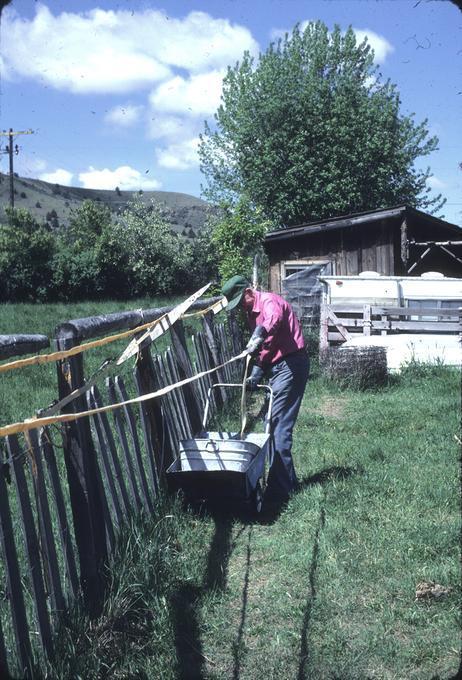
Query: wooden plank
[4, 672]
[184, 368]
[50, 558]
[176, 407]
[160, 453]
[417, 326]
[13, 577]
[334, 319]
[146, 495]
[149, 419]
[171, 367]
[114, 457]
[367, 320]
[64, 529]
[84, 486]
[204, 364]
[166, 404]
[212, 356]
[17, 345]
[127, 454]
[324, 328]
[378, 310]
[201, 388]
[32, 546]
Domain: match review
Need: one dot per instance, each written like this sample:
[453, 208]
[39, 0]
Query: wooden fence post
[367, 322]
[324, 328]
[84, 486]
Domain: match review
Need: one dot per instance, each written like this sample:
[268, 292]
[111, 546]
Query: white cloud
[436, 183]
[168, 127]
[382, 48]
[59, 176]
[124, 177]
[124, 116]
[181, 156]
[195, 96]
[116, 51]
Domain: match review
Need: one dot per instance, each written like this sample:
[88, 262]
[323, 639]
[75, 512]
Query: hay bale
[355, 367]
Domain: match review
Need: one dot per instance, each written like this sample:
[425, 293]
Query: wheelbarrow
[223, 467]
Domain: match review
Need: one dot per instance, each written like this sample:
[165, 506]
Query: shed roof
[345, 221]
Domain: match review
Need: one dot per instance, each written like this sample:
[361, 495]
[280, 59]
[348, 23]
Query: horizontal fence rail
[341, 322]
[67, 490]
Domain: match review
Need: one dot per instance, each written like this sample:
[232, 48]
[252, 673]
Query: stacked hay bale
[355, 367]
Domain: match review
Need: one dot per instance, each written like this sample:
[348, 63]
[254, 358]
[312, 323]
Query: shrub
[26, 253]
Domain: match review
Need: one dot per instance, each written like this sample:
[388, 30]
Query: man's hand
[254, 378]
[256, 340]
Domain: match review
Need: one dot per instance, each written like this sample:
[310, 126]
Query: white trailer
[414, 318]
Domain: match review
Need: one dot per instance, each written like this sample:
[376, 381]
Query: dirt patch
[332, 407]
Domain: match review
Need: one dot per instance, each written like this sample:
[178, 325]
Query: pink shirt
[278, 318]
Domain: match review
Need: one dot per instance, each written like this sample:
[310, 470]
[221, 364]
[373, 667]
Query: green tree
[157, 261]
[26, 254]
[237, 237]
[77, 264]
[310, 131]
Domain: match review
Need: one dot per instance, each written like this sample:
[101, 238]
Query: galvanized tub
[222, 466]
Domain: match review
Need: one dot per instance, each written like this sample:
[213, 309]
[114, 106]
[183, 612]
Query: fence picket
[50, 558]
[184, 370]
[64, 529]
[32, 544]
[172, 376]
[4, 673]
[122, 392]
[149, 427]
[14, 584]
[103, 450]
[120, 427]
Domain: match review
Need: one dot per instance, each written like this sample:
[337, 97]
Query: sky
[116, 93]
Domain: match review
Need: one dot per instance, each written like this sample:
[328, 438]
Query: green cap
[233, 290]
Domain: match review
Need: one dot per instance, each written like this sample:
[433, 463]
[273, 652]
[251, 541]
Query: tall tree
[310, 131]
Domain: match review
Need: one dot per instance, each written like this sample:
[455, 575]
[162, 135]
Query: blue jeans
[287, 379]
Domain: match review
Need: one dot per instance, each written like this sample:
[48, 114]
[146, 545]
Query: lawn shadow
[326, 475]
[238, 649]
[304, 635]
[186, 601]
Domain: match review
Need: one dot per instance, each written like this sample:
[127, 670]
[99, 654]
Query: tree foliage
[310, 131]
[26, 253]
[97, 257]
[237, 237]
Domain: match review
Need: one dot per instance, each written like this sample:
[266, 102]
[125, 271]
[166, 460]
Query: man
[279, 354]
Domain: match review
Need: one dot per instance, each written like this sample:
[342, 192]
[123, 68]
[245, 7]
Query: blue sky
[117, 92]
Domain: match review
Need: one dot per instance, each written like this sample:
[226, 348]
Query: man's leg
[288, 380]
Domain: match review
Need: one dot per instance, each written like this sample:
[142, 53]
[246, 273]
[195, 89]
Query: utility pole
[9, 150]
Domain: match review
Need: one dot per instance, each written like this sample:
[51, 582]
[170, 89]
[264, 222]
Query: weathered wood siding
[353, 250]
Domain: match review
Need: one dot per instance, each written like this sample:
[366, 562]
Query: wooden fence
[339, 323]
[65, 493]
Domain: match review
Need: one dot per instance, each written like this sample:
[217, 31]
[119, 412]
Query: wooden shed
[391, 241]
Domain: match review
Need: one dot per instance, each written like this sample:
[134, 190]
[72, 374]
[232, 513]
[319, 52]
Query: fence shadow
[304, 634]
[186, 602]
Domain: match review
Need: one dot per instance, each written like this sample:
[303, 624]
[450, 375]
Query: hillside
[53, 203]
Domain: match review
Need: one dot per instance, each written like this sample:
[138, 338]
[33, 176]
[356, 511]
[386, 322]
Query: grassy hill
[53, 203]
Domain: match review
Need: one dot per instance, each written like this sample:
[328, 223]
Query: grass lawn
[325, 589]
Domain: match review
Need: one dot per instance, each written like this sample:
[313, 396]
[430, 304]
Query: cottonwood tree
[310, 131]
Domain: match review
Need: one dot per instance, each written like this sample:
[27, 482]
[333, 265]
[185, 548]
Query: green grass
[24, 391]
[325, 589]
